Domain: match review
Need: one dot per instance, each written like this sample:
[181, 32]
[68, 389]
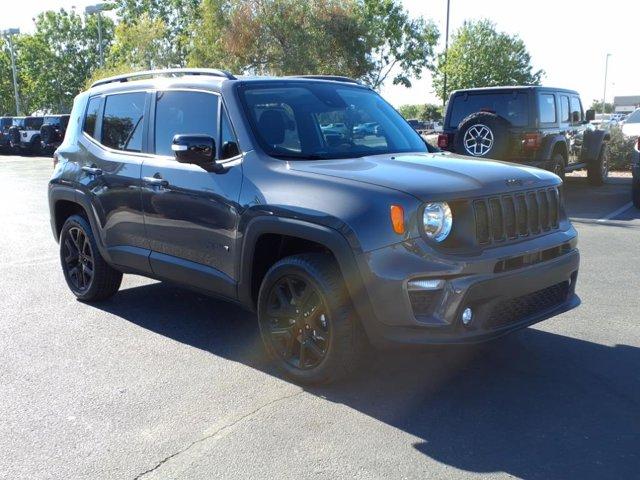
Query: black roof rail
[169, 72]
[335, 78]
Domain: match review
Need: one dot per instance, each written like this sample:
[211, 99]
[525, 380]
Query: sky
[569, 39]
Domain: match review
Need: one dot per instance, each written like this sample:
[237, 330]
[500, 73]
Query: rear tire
[635, 192]
[88, 276]
[308, 326]
[598, 169]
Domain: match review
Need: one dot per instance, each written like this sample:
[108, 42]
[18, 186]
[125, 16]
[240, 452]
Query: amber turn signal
[397, 219]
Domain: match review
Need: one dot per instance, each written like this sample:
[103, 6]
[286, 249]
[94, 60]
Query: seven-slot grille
[507, 217]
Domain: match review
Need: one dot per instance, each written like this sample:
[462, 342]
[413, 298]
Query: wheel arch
[64, 202]
[320, 237]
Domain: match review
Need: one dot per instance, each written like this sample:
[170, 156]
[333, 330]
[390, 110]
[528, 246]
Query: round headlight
[437, 220]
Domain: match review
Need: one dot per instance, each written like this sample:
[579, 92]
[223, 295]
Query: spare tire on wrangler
[14, 136]
[47, 133]
[483, 134]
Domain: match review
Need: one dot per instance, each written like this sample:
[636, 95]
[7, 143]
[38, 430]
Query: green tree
[424, 112]
[372, 40]
[55, 61]
[480, 56]
[7, 103]
[280, 37]
[140, 45]
[177, 17]
[398, 47]
[597, 106]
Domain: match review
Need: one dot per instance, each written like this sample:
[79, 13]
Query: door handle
[92, 170]
[155, 181]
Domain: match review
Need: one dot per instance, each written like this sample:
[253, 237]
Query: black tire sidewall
[499, 128]
[340, 323]
[594, 168]
[105, 281]
[555, 160]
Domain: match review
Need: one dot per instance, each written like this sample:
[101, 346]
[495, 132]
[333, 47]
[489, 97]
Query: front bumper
[502, 299]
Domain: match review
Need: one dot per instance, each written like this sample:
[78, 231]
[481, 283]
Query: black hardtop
[56, 119]
[513, 88]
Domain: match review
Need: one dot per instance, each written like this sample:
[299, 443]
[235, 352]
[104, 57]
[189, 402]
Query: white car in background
[631, 125]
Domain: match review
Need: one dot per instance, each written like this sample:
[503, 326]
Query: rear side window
[33, 123]
[564, 109]
[634, 117]
[512, 106]
[123, 121]
[547, 107]
[184, 113]
[91, 117]
[576, 110]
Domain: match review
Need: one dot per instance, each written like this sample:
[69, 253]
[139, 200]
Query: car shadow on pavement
[533, 405]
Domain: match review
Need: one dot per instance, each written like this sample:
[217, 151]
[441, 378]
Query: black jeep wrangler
[538, 126]
[52, 132]
[230, 186]
[5, 125]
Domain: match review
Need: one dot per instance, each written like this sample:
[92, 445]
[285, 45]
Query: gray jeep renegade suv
[260, 191]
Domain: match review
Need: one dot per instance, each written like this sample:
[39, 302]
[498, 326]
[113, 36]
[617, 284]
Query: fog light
[467, 316]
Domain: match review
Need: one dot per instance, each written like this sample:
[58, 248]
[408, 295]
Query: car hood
[433, 176]
[631, 129]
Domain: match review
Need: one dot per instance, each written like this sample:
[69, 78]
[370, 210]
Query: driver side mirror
[591, 115]
[196, 149]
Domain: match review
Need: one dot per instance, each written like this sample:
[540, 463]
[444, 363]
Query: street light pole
[604, 94]
[8, 34]
[90, 10]
[446, 47]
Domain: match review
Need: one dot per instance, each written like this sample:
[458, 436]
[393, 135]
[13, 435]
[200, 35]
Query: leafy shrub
[620, 149]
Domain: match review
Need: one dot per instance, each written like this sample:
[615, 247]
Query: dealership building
[626, 104]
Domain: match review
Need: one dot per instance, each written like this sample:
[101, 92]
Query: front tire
[307, 323]
[88, 276]
[598, 169]
[558, 165]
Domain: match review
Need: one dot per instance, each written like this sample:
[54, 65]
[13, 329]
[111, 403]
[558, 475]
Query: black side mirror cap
[229, 150]
[591, 115]
[196, 149]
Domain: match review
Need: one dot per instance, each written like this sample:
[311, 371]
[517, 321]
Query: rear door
[112, 147]
[191, 215]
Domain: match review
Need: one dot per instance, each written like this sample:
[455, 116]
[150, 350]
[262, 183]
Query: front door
[573, 125]
[191, 215]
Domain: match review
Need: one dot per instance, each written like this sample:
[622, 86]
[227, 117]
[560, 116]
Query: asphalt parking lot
[161, 383]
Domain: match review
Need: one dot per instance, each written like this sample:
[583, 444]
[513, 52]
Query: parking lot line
[617, 212]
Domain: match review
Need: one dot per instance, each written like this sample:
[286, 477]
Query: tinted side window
[564, 109]
[576, 110]
[91, 117]
[547, 107]
[123, 121]
[511, 106]
[184, 112]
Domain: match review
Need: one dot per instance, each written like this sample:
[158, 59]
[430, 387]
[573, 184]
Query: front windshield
[634, 117]
[325, 121]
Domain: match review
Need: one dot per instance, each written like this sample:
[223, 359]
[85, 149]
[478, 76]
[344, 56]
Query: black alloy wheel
[78, 258]
[299, 326]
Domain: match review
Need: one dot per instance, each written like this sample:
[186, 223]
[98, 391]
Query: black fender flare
[550, 143]
[58, 193]
[592, 144]
[332, 239]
